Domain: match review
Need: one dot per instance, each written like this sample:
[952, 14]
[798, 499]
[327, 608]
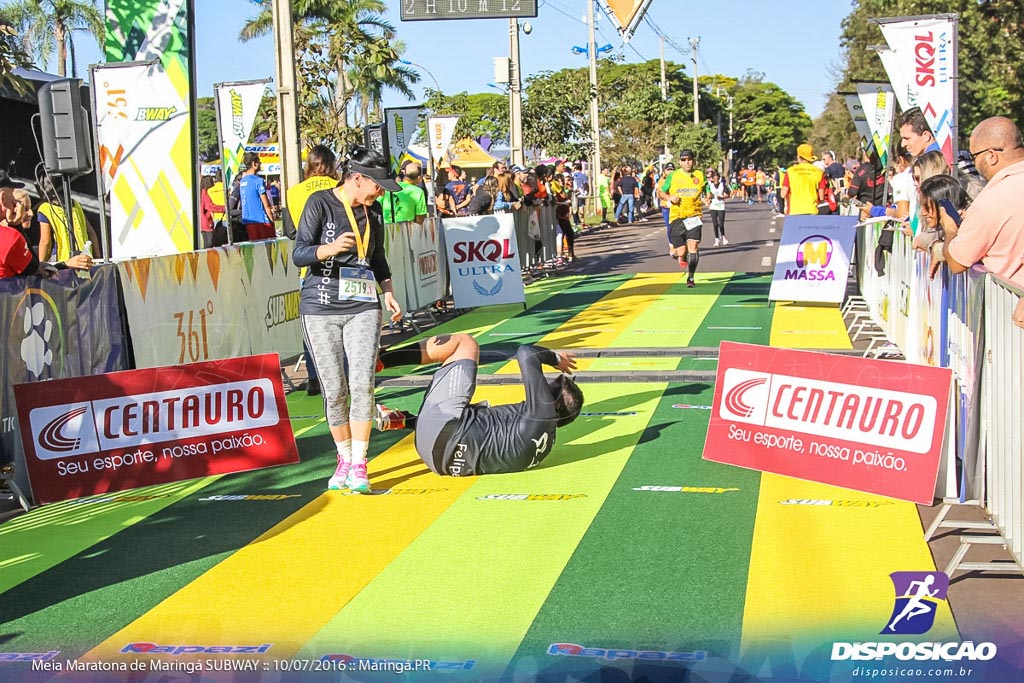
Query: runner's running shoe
[357, 480]
[690, 282]
[337, 481]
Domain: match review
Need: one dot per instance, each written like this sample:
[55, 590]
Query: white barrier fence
[963, 322]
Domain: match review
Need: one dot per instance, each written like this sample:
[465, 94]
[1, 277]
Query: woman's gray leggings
[335, 340]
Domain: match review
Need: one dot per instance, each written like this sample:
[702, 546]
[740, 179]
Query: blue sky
[791, 41]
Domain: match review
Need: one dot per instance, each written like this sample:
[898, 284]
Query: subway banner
[483, 260]
[877, 103]
[123, 430]
[922, 70]
[860, 121]
[150, 184]
[867, 425]
[402, 123]
[185, 308]
[813, 259]
[237, 106]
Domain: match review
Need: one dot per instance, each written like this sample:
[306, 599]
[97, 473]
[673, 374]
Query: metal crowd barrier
[963, 322]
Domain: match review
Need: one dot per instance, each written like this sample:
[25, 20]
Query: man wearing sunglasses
[992, 230]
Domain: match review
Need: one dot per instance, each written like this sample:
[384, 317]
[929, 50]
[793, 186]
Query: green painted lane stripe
[661, 570]
[673, 318]
[470, 585]
[743, 306]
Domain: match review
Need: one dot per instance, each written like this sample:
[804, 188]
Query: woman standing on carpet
[342, 242]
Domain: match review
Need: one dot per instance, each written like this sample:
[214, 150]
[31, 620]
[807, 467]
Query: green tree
[479, 114]
[834, 130]
[768, 122]
[702, 140]
[990, 55]
[48, 27]
[206, 123]
[12, 56]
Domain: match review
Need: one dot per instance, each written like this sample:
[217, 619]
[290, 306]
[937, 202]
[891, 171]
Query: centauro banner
[922, 70]
[237, 106]
[152, 207]
[185, 308]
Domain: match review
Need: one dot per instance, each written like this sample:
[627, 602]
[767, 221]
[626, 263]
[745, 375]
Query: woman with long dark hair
[342, 243]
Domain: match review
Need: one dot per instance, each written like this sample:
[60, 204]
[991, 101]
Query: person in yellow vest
[804, 184]
[685, 191]
[53, 230]
[219, 219]
[321, 173]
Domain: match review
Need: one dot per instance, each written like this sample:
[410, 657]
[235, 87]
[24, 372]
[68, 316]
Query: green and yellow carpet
[624, 550]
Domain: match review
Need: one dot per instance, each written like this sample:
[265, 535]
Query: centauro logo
[282, 308]
[685, 489]
[155, 113]
[879, 417]
[836, 503]
[532, 496]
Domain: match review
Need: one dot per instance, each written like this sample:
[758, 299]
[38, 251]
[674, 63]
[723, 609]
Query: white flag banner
[877, 102]
[237, 105]
[483, 260]
[141, 115]
[402, 124]
[440, 130]
[860, 122]
[923, 72]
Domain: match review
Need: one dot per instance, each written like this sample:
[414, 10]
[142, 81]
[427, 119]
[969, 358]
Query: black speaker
[67, 149]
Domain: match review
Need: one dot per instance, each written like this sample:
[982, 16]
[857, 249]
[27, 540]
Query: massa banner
[123, 430]
[813, 259]
[868, 425]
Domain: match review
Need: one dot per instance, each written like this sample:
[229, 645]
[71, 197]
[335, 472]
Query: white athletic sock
[344, 450]
[359, 449]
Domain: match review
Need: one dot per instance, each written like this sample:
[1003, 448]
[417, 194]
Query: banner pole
[955, 127]
[101, 193]
[223, 162]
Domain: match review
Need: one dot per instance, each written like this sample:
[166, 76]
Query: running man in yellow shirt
[685, 191]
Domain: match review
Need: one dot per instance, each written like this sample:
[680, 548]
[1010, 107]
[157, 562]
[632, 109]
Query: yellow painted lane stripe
[801, 326]
[284, 586]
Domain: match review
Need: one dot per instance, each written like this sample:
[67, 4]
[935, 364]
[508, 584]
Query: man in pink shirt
[992, 231]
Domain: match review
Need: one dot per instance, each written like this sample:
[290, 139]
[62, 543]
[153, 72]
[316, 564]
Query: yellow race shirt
[690, 188]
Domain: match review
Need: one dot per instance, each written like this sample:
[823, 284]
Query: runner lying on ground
[456, 438]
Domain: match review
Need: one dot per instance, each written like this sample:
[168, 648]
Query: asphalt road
[642, 247]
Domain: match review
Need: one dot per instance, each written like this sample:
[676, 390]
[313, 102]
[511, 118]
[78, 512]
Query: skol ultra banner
[402, 123]
[237, 106]
[877, 104]
[152, 204]
[483, 260]
[439, 131]
[860, 121]
[922, 70]
[136, 428]
[813, 259]
[868, 425]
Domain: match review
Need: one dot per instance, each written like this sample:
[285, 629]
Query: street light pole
[422, 68]
[595, 129]
[694, 42]
[515, 96]
[287, 92]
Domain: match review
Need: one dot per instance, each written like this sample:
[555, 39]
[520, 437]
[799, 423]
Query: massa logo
[814, 250]
[734, 398]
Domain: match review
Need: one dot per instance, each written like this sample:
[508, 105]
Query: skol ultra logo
[813, 255]
[918, 595]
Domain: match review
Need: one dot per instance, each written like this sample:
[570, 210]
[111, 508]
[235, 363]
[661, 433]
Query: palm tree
[377, 68]
[48, 27]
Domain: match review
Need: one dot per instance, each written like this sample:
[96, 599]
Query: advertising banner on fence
[152, 206]
[923, 73]
[65, 327]
[483, 260]
[867, 425]
[141, 427]
[185, 308]
[419, 271]
[877, 102]
[402, 124]
[966, 338]
[440, 130]
[237, 106]
[813, 259]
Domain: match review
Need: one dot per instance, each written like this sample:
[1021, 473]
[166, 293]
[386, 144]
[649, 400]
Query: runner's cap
[687, 154]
